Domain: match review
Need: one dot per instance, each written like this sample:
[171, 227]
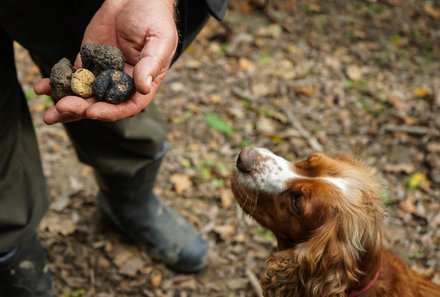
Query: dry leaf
[265, 126]
[260, 89]
[181, 182]
[58, 225]
[431, 10]
[397, 103]
[225, 231]
[245, 64]
[402, 167]
[156, 279]
[37, 107]
[308, 90]
[132, 266]
[121, 257]
[409, 204]
[418, 180]
[421, 92]
[354, 72]
[226, 198]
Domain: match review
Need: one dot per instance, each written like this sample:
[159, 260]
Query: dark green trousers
[50, 30]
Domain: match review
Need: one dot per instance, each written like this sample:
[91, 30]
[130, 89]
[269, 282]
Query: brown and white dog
[326, 215]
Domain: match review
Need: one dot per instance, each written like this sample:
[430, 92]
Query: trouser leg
[121, 148]
[38, 26]
[23, 193]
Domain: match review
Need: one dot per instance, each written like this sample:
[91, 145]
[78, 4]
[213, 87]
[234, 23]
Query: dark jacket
[217, 8]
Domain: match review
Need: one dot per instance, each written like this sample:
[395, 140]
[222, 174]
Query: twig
[418, 130]
[267, 9]
[312, 141]
[254, 282]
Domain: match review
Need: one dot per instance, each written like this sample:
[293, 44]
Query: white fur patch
[342, 183]
[270, 174]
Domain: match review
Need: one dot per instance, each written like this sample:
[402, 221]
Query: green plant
[215, 121]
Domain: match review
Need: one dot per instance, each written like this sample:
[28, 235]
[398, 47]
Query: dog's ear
[323, 266]
[329, 261]
[280, 278]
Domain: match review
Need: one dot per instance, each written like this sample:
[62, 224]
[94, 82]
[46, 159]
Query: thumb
[155, 58]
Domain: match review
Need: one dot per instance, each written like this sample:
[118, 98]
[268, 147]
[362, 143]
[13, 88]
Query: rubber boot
[133, 207]
[24, 272]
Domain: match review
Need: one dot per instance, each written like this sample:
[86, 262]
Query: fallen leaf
[181, 182]
[132, 266]
[431, 10]
[418, 180]
[314, 7]
[359, 33]
[409, 204]
[156, 279]
[265, 126]
[260, 90]
[307, 90]
[37, 107]
[397, 103]
[226, 198]
[245, 64]
[354, 72]
[402, 167]
[121, 256]
[433, 147]
[56, 224]
[215, 99]
[272, 31]
[217, 122]
[225, 231]
[421, 92]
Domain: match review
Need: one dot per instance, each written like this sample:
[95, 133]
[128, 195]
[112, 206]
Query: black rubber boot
[133, 207]
[25, 272]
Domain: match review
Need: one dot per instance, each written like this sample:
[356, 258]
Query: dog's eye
[296, 201]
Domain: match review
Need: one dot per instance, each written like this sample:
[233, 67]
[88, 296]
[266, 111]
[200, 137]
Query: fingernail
[149, 81]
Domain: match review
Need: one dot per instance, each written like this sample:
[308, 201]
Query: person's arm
[146, 33]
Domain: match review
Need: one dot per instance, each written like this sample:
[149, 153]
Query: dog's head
[325, 213]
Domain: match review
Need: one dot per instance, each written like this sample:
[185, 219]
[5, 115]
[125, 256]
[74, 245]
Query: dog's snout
[245, 160]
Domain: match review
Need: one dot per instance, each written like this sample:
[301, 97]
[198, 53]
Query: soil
[343, 77]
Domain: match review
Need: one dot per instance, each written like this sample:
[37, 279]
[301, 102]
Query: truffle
[98, 58]
[60, 76]
[113, 86]
[82, 81]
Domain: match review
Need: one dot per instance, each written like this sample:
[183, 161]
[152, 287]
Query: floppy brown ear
[322, 266]
[280, 278]
[328, 263]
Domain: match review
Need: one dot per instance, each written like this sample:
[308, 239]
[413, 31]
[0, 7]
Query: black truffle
[60, 77]
[98, 58]
[113, 86]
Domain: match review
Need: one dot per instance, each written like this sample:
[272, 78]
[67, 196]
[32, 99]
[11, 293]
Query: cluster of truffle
[101, 76]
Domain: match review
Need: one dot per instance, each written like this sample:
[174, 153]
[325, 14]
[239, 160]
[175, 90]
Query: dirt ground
[356, 77]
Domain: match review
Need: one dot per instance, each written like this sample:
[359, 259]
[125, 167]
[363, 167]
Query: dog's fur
[326, 215]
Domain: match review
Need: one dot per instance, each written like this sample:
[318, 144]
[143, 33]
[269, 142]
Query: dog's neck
[369, 290]
[286, 277]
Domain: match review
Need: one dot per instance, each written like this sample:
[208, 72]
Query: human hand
[146, 33]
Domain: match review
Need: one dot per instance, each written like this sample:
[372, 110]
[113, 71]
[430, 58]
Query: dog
[326, 216]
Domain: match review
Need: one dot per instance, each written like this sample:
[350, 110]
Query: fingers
[77, 63]
[68, 109]
[113, 112]
[52, 116]
[154, 61]
[73, 108]
[42, 87]
[74, 105]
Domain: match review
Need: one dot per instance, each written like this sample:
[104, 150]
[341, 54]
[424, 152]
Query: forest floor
[356, 77]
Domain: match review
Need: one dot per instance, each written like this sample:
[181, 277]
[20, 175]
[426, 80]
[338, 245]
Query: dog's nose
[245, 160]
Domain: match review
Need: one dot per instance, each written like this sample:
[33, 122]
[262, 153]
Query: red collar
[366, 288]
